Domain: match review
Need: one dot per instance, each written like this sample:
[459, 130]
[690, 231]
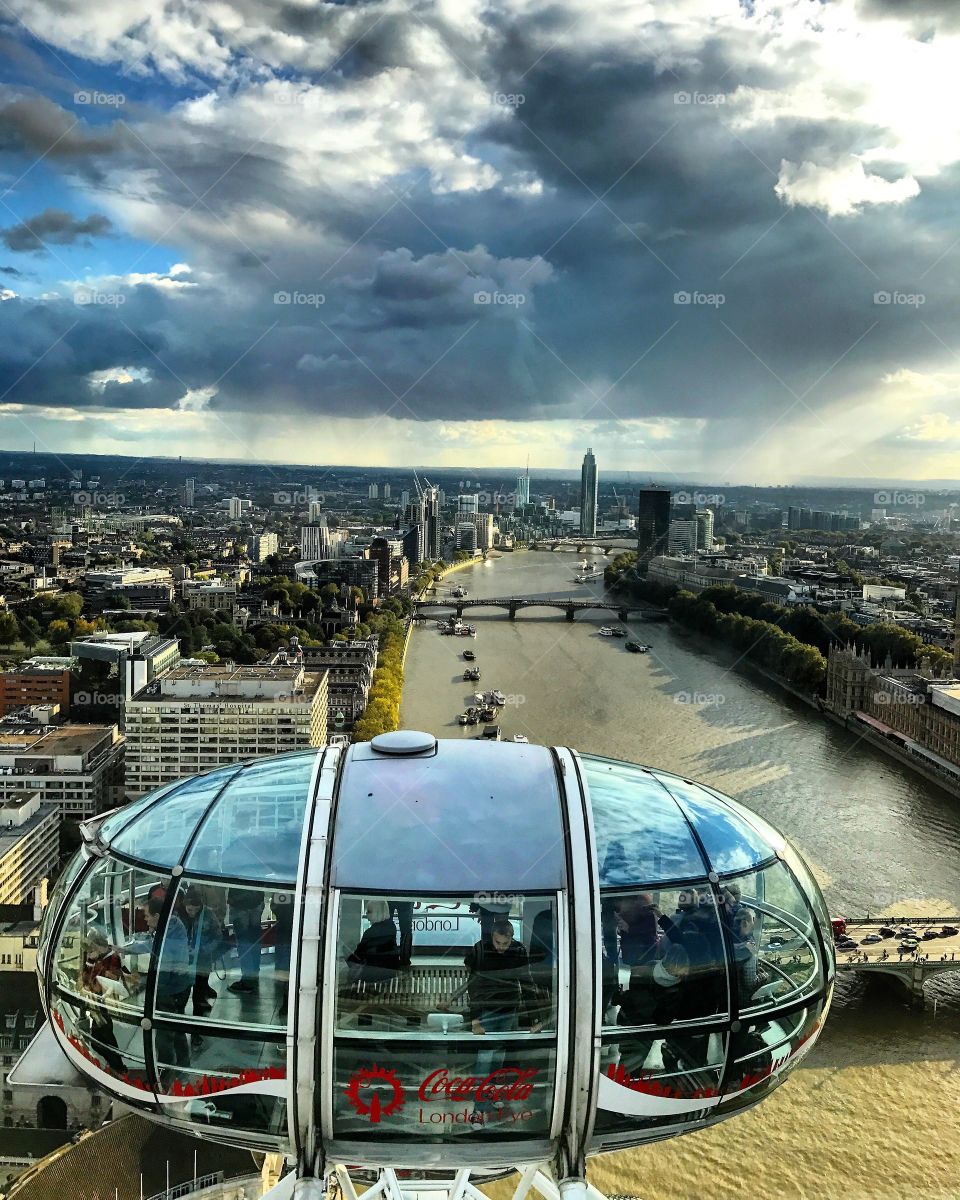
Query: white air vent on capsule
[404, 741]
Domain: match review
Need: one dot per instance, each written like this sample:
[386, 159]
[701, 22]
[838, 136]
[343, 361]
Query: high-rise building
[466, 536]
[523, 490]
[198, 718]
[314, 542]
[373, 492]
[704, 520]
[653, 525]
[404, 499]
[261, 546]
[235, 508]
[189, 492]
[588, 496]
[315, 513]
[468, 504]
[431, 504]
[682, 536]
[386, 491]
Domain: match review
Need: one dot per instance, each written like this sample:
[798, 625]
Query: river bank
[878, 836]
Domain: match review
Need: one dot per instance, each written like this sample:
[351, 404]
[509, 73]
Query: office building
[29, 846]
[349, 667]
[523, 490]
[392, 567]
[682, 536]
[314, 542]
[704, 520]
[78, 769]
[466, 536]
[200, 717]
[217, 595]
[588, 495]
[137, 657]
[356, 571]
[653, 525]
[42, 679]
[468, 504]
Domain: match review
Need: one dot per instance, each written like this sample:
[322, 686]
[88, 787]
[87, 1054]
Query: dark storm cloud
[12, 272]
[34, 125]
[55, 227]
[615, 197]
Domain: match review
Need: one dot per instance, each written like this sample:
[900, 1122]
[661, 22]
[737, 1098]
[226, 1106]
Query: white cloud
[97, 381]
[840, 189]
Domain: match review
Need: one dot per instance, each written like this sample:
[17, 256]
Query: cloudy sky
[711, 237]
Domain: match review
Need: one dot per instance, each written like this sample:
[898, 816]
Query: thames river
[874, 1111]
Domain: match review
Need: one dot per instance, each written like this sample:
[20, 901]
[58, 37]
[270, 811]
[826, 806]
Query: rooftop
[63, 739]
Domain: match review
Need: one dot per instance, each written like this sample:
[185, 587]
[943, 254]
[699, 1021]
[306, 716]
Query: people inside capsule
[175, 978]
[101, 977]
[376, 957]
[204, 942]
[501, 996]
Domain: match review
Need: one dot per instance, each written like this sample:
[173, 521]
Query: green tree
[9, 629]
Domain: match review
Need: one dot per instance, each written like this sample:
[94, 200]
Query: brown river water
[874, 1111]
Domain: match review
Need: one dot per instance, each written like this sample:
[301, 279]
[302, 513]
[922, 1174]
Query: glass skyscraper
[588, 496]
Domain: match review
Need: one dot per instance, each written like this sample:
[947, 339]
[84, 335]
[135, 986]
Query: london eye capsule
[436, 956]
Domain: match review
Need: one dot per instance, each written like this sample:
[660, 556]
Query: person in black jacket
[501, 992]
[377, 956]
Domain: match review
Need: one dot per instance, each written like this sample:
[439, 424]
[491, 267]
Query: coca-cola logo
[508, 1083]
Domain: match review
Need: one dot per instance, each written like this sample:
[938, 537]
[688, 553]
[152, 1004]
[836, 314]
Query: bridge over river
[569, 606]
[932, 956]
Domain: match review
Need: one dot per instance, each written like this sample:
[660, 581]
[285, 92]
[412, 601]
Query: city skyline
[714, 241]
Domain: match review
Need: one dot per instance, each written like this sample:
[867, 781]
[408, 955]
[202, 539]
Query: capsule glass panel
[161, 833]
[731, 843]
[642, 835]
[450, 1003]
[659, 1078]
[254, 830]
[237, 1085]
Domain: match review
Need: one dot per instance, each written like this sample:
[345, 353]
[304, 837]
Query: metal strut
[533, 1177]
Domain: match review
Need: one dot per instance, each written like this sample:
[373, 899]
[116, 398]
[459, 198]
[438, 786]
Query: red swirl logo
[375, 1109]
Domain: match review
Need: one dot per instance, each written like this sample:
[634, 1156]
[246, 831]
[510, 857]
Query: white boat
[498, 698]
[522, 738]
[606, 631]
